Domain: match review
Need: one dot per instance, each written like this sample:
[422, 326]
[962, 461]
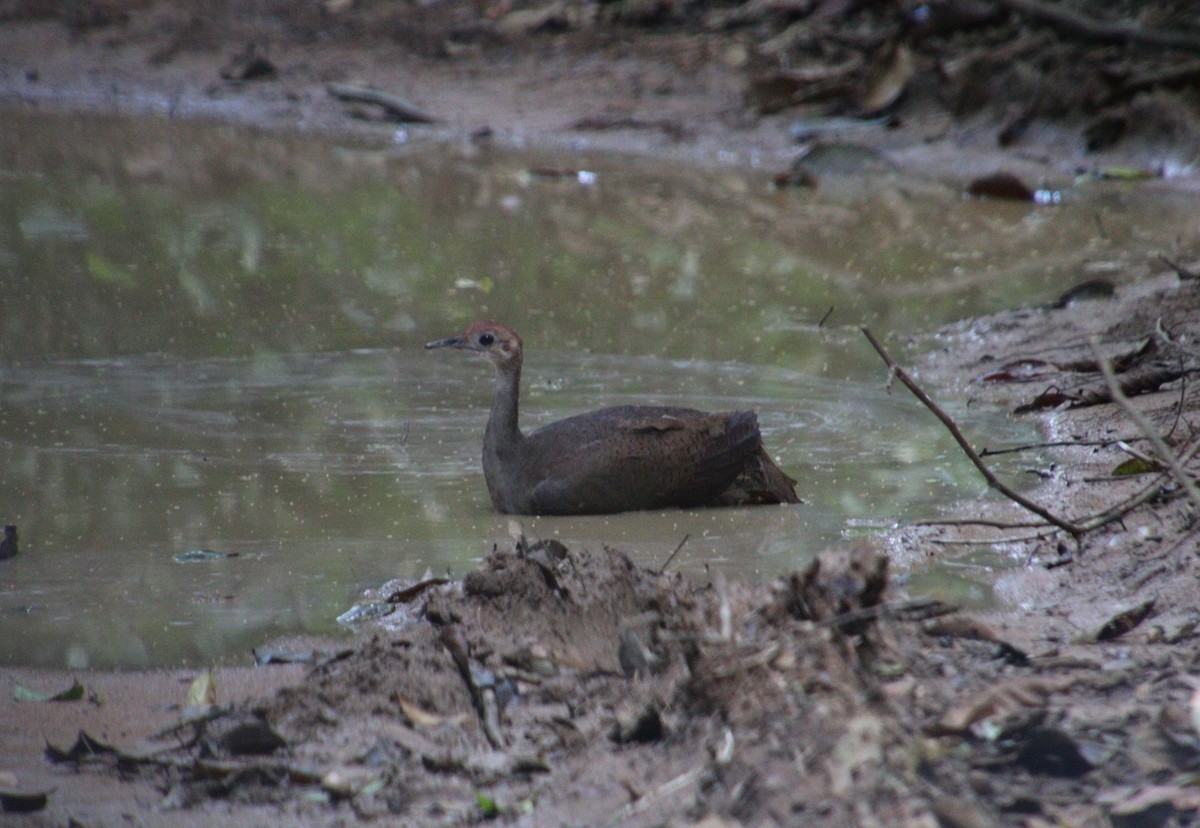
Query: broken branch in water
[994, 482]
[1168, 457]
[671, 557]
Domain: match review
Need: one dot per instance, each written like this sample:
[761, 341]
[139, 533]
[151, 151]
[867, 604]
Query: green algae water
[211, 342]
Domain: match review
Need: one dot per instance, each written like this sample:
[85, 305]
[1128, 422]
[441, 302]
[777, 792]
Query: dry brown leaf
[888, 79]
[417, 715]
[1011, 697]
[1178, 798]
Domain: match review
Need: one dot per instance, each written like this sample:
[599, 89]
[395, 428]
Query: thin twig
[1067, 526]
[987, 452]
[671, 557]
[994, 524]
[1182, 397]
[1138, 455]
[920, 609]
[1164, 452]
[993, 541]
[668, 788]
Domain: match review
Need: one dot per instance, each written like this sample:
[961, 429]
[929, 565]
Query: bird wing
[640, 458]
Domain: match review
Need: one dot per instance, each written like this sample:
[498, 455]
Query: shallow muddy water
[212, 341]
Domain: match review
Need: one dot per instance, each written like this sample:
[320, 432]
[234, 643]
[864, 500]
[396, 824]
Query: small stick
[668, 788]
[993, 541]
[825, 318]
[920, 608]
[1164, 452]
[994, 524]
[1137, 455]
[987, 452]
[671, 557]
[1067, 526]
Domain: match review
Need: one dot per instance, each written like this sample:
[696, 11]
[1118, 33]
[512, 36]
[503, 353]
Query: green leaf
[203, 690]
[1135, 465]
[487, 805]
[73, 693]
[1126, 173]
[108, 271]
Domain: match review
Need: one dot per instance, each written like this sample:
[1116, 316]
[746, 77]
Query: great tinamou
[618, 459]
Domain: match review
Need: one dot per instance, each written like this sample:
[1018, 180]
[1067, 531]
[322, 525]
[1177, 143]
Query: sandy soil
[569, 687]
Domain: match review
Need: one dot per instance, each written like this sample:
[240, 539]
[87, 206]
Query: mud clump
[576, 687]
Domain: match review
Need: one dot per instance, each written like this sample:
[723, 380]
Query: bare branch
[671, 557]
[1067, 526]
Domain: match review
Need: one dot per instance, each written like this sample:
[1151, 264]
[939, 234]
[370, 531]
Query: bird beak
[452, 342]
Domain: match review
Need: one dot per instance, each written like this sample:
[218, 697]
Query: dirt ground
[563, 686]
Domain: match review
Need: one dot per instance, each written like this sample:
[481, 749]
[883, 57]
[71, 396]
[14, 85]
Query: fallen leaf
[1134, 466]
[487, 805]
[253, 737]
[1091, 289]
[345, 782]
[887, 80]
[1020, 370]
[1011, 697]
[203, 691]
[85, 747]
[23, 802]
[417, 715]
[1123, 622]
[202, 556]
[403, 596]
[366, 612]
[1125, 173]
[1152, 796]
[1050, 398]
[1002, 185]
[1052, 752]
[73, 693]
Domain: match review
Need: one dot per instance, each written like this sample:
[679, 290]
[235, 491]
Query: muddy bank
[942, 89]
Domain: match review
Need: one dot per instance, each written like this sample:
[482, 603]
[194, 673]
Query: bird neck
[502, 428]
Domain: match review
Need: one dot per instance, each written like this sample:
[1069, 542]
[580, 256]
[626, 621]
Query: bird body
[617, 459]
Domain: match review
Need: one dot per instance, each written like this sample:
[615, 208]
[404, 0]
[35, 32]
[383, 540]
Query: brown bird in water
[618, 459]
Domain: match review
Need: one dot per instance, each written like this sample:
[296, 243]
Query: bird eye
[486, 339]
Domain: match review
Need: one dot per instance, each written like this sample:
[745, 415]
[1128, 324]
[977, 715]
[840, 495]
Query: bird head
[498, 343]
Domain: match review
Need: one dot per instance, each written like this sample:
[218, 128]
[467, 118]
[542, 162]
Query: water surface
[212, 340]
